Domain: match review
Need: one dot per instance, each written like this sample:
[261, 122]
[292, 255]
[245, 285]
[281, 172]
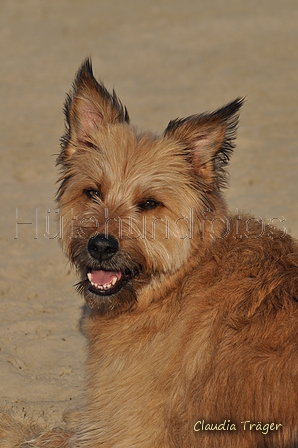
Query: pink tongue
[104, 277]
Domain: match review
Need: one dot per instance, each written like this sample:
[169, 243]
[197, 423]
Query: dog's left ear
[89, 106]
[208, 140]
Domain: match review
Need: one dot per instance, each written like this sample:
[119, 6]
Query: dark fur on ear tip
[228, 114]
[85, 68]
[229, 109]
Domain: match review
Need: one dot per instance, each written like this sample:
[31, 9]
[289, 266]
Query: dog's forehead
[129, 154]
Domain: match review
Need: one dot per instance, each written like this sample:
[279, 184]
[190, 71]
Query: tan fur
[206, 327]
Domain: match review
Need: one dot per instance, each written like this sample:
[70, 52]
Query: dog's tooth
[102, 287]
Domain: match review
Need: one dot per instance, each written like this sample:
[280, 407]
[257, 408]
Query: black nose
[102, 247]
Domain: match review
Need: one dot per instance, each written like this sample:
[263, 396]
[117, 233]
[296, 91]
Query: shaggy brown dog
[193, 317]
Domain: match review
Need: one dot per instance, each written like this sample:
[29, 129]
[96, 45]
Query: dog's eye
[92, 194]
[150, 204]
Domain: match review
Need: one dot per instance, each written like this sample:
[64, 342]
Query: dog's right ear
[89, 106]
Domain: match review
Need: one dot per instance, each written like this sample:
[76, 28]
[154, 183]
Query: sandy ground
[166, 59]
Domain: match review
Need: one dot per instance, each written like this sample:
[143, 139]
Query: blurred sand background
[166, 59]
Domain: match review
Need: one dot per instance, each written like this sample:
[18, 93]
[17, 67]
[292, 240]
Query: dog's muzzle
[102, 281]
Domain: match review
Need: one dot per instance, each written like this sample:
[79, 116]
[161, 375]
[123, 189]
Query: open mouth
[106, 283]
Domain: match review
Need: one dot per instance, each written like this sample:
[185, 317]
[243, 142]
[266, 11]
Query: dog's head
[134, 205]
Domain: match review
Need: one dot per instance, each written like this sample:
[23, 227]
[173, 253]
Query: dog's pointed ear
[208, 140]
[88, 107]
